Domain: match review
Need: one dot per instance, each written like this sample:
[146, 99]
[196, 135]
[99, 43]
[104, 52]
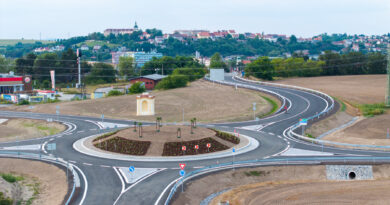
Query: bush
[11, 178]
[114, 93]
[192, 73]
[137, 88]
[172, 81]
[370, 110]
[24, 102]
[5, 201]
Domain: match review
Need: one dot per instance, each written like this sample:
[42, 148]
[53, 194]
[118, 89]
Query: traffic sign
[182, 166]
[254, 106]
[234, 150]
[131, 168]
[208, 145]
[182, 172]
[183, 148]
[196, 147]
[102, 116]
[303, 121]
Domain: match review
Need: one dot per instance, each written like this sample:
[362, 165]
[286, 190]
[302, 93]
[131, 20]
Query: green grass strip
[274, 106]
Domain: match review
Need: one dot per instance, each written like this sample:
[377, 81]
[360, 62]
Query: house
[150, 81]
[203, 35]
[84, 48]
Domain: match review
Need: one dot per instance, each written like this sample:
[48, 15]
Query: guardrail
[27, 155]
[324, 112]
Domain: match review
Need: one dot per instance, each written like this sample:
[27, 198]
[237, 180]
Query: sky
[53, 19]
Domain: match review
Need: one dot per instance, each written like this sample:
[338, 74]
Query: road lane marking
[88, 164]
[105, 166]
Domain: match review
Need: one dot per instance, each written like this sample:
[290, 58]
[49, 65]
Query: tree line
[329, 63]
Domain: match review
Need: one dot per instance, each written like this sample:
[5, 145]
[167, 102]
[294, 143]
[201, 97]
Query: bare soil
[21, 129]
[166, 134]
[287, 185]
[51, 180]
[356, 89]
[204, 100]
[352, 90]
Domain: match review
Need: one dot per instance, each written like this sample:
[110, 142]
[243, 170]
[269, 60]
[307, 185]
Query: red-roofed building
[202, 35]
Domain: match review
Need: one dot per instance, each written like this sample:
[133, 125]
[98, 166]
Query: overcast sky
[67, 18]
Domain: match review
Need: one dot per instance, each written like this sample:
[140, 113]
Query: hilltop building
[122, 31]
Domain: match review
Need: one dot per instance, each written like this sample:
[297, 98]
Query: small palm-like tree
[192, 125]
[160, 119]
[178, 132]
[135, 126]
[140, 130]
[194, 122]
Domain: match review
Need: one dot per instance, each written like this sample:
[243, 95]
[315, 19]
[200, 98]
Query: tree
[126, 67]
[172, 81]
[4, 65]
[293, 39]
[216, 61]
[137, 87]
[101, 73]
[43, 64]
[25, 65]
[67, 70]
[260, 68]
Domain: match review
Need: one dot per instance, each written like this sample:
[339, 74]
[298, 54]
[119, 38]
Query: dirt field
[287, 185]
[167, 134]
[52, 180]
[203, 100]
[356, 89]
[20, 129]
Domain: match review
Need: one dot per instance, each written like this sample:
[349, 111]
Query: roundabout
[98, 170]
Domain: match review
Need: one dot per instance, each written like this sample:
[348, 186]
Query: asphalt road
[103, 184]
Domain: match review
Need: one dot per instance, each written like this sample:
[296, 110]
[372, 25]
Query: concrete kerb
[80, 147]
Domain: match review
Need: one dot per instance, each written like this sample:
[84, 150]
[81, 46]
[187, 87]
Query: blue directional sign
[234, 150]
[182, 172]
[102, 116]
[303, 121]
[131, 168]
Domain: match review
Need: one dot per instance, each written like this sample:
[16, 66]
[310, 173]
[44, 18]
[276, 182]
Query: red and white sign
[182, 165]
[196, 146]
[183, 148]
[208, 145]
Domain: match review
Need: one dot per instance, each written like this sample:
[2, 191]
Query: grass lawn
[11, 42]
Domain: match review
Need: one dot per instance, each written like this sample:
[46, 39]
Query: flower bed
[124, 146]
[227, 136]
[175, 148]
[105, 136]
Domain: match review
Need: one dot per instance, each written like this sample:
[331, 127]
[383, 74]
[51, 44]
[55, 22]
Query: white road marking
[86, 184]
[199, 167]
[166, 188]
[88, 164]
[80, 131]
[72, 161]
[104, 166]
[271, 133]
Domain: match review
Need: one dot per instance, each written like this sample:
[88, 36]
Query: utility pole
[79, 64]
[388, 77]
[162, 68]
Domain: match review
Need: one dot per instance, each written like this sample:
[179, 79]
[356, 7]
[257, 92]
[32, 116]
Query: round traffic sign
[184, 148]
[196, 147]
[208, 145]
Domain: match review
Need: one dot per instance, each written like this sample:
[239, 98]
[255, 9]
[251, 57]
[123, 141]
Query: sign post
[58, 112]
[102, 118]
[183, 148]
[234, 151]
[182, 174]
[131, 169]
[208, 145]
[254, 109]
[196, 148]
[303, 123]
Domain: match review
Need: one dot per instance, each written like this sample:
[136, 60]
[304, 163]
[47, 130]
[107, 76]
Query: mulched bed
[174, 148]
[124, 146]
